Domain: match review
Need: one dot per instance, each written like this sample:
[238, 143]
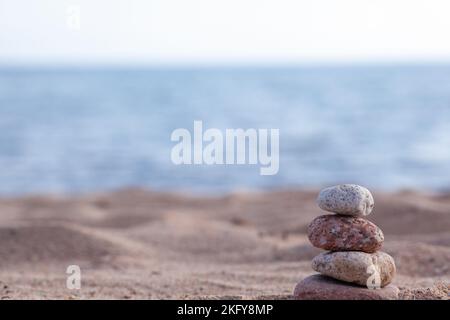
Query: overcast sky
[223, 31]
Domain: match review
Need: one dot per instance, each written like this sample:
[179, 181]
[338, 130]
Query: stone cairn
[353, 268]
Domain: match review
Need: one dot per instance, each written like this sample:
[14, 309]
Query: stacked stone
[353, 268]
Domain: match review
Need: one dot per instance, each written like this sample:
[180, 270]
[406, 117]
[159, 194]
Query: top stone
[348, 199]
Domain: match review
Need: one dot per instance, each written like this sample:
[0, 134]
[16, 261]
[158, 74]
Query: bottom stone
[319, 287]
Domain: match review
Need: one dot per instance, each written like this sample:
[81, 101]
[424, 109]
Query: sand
[138, 244]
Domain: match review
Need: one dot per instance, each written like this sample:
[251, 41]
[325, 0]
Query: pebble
[318, 287]
[348, 199]
[353, 266]
[345, 233]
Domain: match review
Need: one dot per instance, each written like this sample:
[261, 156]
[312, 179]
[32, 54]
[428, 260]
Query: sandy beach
[140, 244]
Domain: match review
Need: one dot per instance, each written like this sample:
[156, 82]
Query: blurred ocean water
[80, 130]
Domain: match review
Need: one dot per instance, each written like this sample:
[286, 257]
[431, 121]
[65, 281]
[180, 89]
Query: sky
[159, 32]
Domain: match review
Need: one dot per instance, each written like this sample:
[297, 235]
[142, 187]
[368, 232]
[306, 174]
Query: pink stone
[319, 287]
[345, 233]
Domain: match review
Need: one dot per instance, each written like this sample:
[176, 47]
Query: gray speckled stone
[352, 266]
[349, 199]
[318, 287]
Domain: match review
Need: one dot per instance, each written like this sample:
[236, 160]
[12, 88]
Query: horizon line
[222, 64]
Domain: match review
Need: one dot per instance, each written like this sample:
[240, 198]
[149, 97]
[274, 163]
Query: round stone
[348, 199]
[356, 267]
[345, 233]
[319, 287]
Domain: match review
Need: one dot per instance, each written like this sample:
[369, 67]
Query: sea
[84, 129]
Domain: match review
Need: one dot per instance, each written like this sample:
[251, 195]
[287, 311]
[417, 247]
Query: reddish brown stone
[345, 233]
[319, 287]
